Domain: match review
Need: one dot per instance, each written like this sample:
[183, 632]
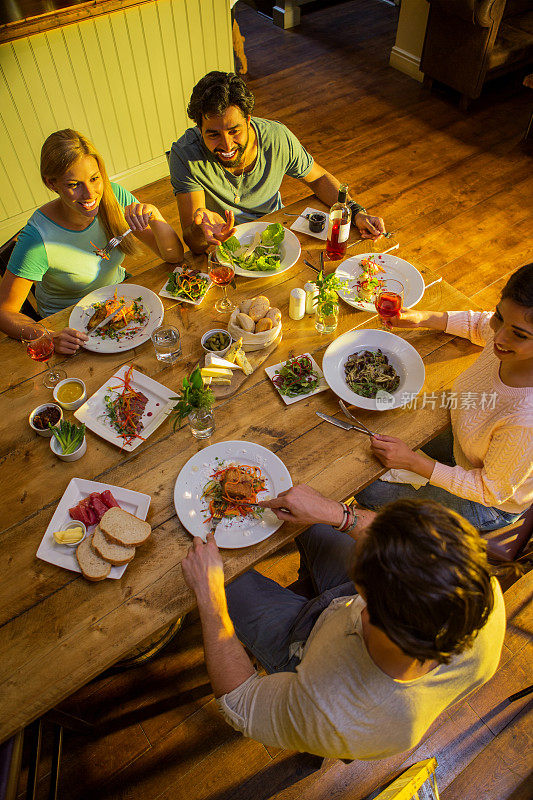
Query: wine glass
[222, 275]
[40, 347]
[389, 300]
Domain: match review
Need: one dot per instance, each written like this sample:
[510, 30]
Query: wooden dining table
[58, 631]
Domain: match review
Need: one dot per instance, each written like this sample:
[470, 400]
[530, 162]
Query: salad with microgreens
[263, 255]
[189, 285]
[68, 436]
[296, 377]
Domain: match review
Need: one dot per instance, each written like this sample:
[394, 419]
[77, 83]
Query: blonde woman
[57, 247]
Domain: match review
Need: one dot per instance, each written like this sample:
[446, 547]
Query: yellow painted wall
[123, 79]
[407, 50]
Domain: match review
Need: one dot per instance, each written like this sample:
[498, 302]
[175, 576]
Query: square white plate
[159, 405]
[61, 555]
[164, 293]
[302, 225]
[322, 385]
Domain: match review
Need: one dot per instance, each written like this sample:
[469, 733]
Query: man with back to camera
[229, 168]
[364, 668]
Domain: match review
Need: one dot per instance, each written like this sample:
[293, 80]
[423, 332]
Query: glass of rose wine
[222, 275]
[389, 300]
[40, 347]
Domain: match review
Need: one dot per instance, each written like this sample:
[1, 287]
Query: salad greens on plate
[263, 255]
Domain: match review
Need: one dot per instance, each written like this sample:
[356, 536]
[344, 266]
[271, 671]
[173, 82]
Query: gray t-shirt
[194, 168]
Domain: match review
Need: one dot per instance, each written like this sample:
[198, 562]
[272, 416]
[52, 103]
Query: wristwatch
[355, 208]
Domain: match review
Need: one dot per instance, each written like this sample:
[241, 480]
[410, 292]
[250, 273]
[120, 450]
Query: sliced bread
[114, 553]
[92, 566]
[123, 528]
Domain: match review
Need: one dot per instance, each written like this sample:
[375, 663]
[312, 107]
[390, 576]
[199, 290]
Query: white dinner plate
[128, 337]
[63, 556]
[321, 386]
[164, 293]
[394, 267]
[290, 249]
[93, 411]
[402, 356]
[301, 224]
[192, 508]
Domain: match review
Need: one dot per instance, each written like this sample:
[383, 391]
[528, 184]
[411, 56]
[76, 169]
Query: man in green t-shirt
[229, 168]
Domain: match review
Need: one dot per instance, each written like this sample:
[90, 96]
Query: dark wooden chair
[509, 543]
[29, 307]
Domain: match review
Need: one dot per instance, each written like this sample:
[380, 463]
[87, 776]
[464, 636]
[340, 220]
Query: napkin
[404, 476]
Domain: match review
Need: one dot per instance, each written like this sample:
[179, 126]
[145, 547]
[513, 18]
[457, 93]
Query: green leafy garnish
[69, 436]
[193, 395]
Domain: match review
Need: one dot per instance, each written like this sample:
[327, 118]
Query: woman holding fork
[62, 246]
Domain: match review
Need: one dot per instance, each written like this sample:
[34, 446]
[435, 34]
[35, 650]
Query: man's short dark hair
[215, 92]
[424, 573]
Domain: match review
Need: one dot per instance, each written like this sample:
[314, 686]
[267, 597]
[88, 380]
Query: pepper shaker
[311, 293]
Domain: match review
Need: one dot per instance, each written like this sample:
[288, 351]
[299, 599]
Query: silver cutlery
[308, 264]
[114, 242]
[385, 235]
[432, 283]
[340, 423]
[349, 414]
[215, 519]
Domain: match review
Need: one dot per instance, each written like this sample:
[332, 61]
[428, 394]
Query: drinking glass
[222, 275]
[40, 347]
[389, 300]
[167, 344]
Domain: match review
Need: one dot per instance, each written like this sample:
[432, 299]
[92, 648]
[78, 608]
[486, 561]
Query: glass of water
[167, 344]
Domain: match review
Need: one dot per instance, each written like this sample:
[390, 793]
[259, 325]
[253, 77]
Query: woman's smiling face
[80, 188]
[513, 331]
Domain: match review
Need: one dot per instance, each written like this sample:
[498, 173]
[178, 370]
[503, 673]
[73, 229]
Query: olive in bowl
[42, 415]
[216, 341]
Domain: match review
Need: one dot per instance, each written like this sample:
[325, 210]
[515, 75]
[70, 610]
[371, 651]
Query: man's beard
[238, 159]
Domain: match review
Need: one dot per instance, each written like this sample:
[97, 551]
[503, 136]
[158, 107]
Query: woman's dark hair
[423, 571]
[215, 92]
[519, 288]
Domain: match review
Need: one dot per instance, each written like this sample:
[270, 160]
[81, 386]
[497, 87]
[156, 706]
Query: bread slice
[92, 566]
[123, 528]
[116, 554]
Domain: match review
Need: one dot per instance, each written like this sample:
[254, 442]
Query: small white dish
[73, 404]
[206, 336]
[46, 432]
[55, 447]
[179, 298]
[321, 387]
[74, 524]
[301, 225]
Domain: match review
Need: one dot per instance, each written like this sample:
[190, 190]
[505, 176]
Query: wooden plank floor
[458, 190]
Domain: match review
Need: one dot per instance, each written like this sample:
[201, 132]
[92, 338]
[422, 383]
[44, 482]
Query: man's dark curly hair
[215, 92]
[424, 573]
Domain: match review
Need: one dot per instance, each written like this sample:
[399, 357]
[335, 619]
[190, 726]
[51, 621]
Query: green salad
[266, 255]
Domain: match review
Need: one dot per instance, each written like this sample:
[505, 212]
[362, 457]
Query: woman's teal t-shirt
[62, 262]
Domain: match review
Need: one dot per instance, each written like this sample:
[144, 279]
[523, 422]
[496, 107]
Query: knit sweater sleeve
[507, 465]
[473, 325]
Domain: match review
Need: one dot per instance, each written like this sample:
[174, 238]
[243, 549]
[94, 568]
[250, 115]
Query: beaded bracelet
[345, 518]
[355, 208]
[351, 525]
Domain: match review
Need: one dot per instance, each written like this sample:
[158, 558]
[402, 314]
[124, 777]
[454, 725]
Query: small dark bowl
[317, 222]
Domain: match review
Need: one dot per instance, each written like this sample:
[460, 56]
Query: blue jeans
[482, 517]
[268, 618]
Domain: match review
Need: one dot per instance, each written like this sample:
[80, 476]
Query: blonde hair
[60, 150]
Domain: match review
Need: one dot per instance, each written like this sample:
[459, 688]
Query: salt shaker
[311, 293]
[297, 304]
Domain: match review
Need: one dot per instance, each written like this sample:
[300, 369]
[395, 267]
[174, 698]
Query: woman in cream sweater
[483, 466]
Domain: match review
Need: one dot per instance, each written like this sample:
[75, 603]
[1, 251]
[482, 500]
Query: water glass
[201, 422]
[167, 344]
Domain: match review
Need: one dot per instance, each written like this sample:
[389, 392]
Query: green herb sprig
[328, 286]
[193, 395]
[69, 436]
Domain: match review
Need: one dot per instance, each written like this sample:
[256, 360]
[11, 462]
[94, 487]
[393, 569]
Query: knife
[106, 320]
[340, 423]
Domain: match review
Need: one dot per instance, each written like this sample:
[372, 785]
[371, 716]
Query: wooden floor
[458, 191]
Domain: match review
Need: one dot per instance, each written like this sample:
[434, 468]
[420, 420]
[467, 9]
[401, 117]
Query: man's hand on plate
[203, 569]
[301, 504]
[369, 227]
[215, 228]
[68, 341]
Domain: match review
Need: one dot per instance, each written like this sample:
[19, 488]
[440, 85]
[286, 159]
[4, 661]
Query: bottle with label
[339, 226]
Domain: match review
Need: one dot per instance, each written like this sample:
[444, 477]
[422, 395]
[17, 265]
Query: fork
[351, 416]
[215, 519]
[114, 242]
[385, 235]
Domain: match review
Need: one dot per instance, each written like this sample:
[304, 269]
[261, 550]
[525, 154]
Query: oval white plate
[403, 357]
[83, 311]
[403, 271]
[191, 508]
[290, 249]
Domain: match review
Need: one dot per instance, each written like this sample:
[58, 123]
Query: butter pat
[70, 536]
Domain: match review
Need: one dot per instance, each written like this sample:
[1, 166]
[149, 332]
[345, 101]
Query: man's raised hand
[214, 227]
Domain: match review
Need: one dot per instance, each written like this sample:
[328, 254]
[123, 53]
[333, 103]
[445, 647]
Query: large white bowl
[290, 249]
[403, 357]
